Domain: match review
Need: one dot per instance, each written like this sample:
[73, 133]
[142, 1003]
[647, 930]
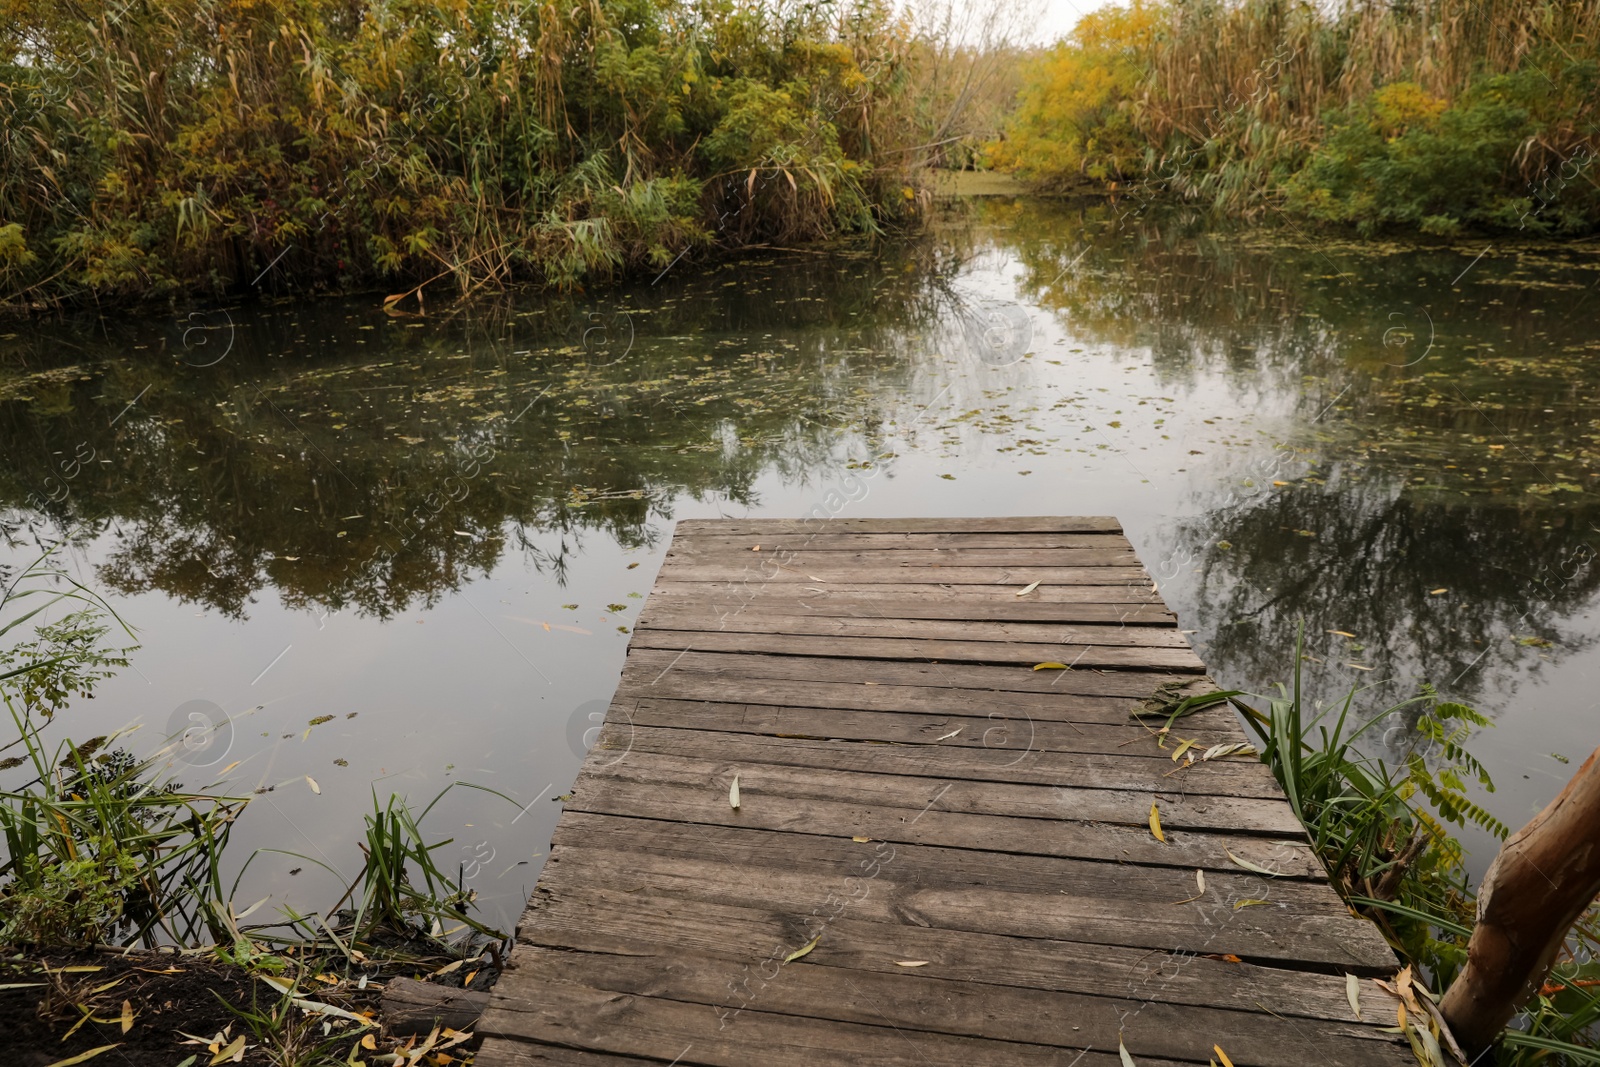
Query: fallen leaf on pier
[315, 788]
[1155, 824]
[911, 963]
[1221, 1055]
[1025, 590]
[1177, 753]
[1248, 902]
[1122, 1050]
[1237, 748]
[1247, 865]
[1051, 666]
[802, 950]
[952, 733]
[1352, 992]
[733, 794]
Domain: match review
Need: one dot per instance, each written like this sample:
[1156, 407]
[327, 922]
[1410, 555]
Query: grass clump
[104, 856]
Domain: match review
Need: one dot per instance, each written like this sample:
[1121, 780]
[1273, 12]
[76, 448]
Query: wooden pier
[939, 855]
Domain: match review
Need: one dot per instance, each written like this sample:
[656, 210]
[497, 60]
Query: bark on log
[412, 1007]
[1545, 877]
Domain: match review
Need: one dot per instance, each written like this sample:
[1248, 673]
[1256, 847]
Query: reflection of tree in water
[1366, 559]
[375, 481]
[1451, 386]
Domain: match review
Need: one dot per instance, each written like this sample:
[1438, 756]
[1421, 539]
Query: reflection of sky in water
[1166, 379]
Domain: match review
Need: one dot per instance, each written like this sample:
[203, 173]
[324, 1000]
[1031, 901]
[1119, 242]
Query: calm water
[403, 549]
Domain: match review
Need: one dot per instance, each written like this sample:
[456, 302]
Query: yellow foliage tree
[1073, 117]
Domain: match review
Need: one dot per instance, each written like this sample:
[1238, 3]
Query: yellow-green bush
[1437, 115]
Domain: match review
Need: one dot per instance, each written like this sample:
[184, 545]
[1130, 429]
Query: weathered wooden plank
[1074, 654]
[999, 704]
[649, 664]
[761, 620]
[987, 524]
[824, 541]
[625, 1023]
[609, 920]
[1009, 733]
[503, 1051]
[927, 1004]
[691, 553]
[1028, 896]
[1118, 842]
[779, 603]
[1014, 578]
[719, 595]
[642, 771]
[983, 762]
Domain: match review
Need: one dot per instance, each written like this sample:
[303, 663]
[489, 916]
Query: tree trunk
[1545, 877]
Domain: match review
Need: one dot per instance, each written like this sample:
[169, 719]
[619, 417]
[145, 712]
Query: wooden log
[1545, 877]
[412, 1007]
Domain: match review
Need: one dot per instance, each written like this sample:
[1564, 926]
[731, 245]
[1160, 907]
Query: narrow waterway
[385, 550]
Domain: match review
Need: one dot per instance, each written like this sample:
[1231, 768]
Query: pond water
[396, 549]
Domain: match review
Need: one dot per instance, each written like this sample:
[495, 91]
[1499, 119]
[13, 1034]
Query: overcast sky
[1061, 15]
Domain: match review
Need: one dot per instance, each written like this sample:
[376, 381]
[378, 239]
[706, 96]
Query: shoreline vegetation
[119, 931]
[193, 149]
[162, 150]
[1432, 116]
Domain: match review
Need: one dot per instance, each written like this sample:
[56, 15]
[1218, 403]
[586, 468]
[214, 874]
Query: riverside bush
[181, 146]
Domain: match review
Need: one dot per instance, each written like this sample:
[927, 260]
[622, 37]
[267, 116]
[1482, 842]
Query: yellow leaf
[861, 839]
[802, 950]
[1248, 902]
[1178, 752]
[1051, 666]
[127, 1016]
[234, 1051]
[369, 1042]
[1436, 592]
[82, 1056]
[1155, 824]
[1221, 1055]
[1341, 633]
